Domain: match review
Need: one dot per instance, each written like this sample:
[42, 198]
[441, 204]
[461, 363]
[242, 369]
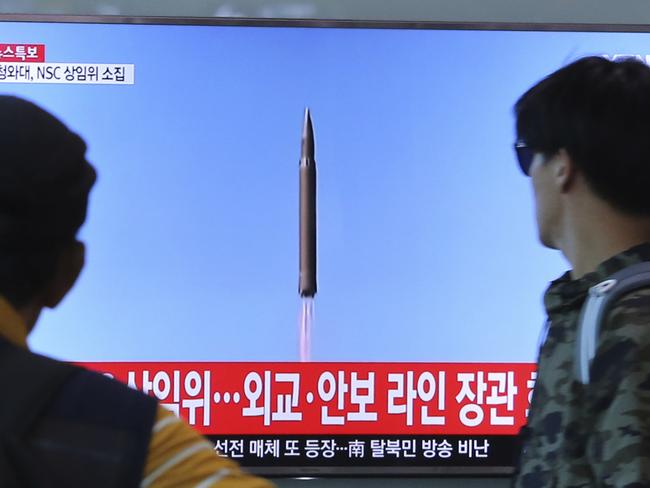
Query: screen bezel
[326, 23]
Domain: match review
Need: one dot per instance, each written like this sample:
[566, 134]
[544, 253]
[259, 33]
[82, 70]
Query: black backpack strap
[96, 433]
[29, 383]
[108, 426]
[600, 299]
[78, 427]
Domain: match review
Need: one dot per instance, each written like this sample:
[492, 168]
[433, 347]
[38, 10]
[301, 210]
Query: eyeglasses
[524, 156]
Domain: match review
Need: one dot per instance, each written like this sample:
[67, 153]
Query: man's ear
[69, 266]
[564, 170]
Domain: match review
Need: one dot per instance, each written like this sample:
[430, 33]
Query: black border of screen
[326, 23]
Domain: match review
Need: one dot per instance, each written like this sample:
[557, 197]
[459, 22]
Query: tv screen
[416, 353]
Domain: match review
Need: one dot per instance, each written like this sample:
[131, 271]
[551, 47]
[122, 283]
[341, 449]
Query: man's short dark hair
[599, 112]
[44, 185]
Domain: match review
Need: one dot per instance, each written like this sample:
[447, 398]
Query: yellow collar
[12, 326]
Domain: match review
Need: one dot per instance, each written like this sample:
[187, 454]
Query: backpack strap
[96, 429]
[599, 300]
[29, 383]
[81, 428]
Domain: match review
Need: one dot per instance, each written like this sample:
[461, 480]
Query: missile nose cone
[307, 148]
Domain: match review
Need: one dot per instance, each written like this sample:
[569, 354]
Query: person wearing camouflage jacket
[583, 138]
[592, 435]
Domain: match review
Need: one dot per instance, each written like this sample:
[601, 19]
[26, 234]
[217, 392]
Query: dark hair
[44, 185]
[599, 112]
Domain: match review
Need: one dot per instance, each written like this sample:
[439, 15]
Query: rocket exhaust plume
[306, 321]
[307, 233]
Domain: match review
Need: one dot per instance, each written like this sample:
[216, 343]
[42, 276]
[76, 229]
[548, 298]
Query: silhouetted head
[44, 185]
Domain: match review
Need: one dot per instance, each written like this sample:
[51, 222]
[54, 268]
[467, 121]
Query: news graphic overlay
[25, 63]
[345, 414]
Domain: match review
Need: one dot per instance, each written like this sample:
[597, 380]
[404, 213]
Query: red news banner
[27, 53]
[337, 398]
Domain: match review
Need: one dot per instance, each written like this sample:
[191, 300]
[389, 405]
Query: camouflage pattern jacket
[596, 434]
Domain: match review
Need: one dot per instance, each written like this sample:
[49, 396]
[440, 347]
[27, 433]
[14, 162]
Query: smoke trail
[306, 322]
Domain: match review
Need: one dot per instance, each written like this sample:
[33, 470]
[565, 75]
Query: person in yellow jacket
[86, 430]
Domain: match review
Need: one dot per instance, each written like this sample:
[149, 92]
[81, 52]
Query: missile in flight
[307, 212]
